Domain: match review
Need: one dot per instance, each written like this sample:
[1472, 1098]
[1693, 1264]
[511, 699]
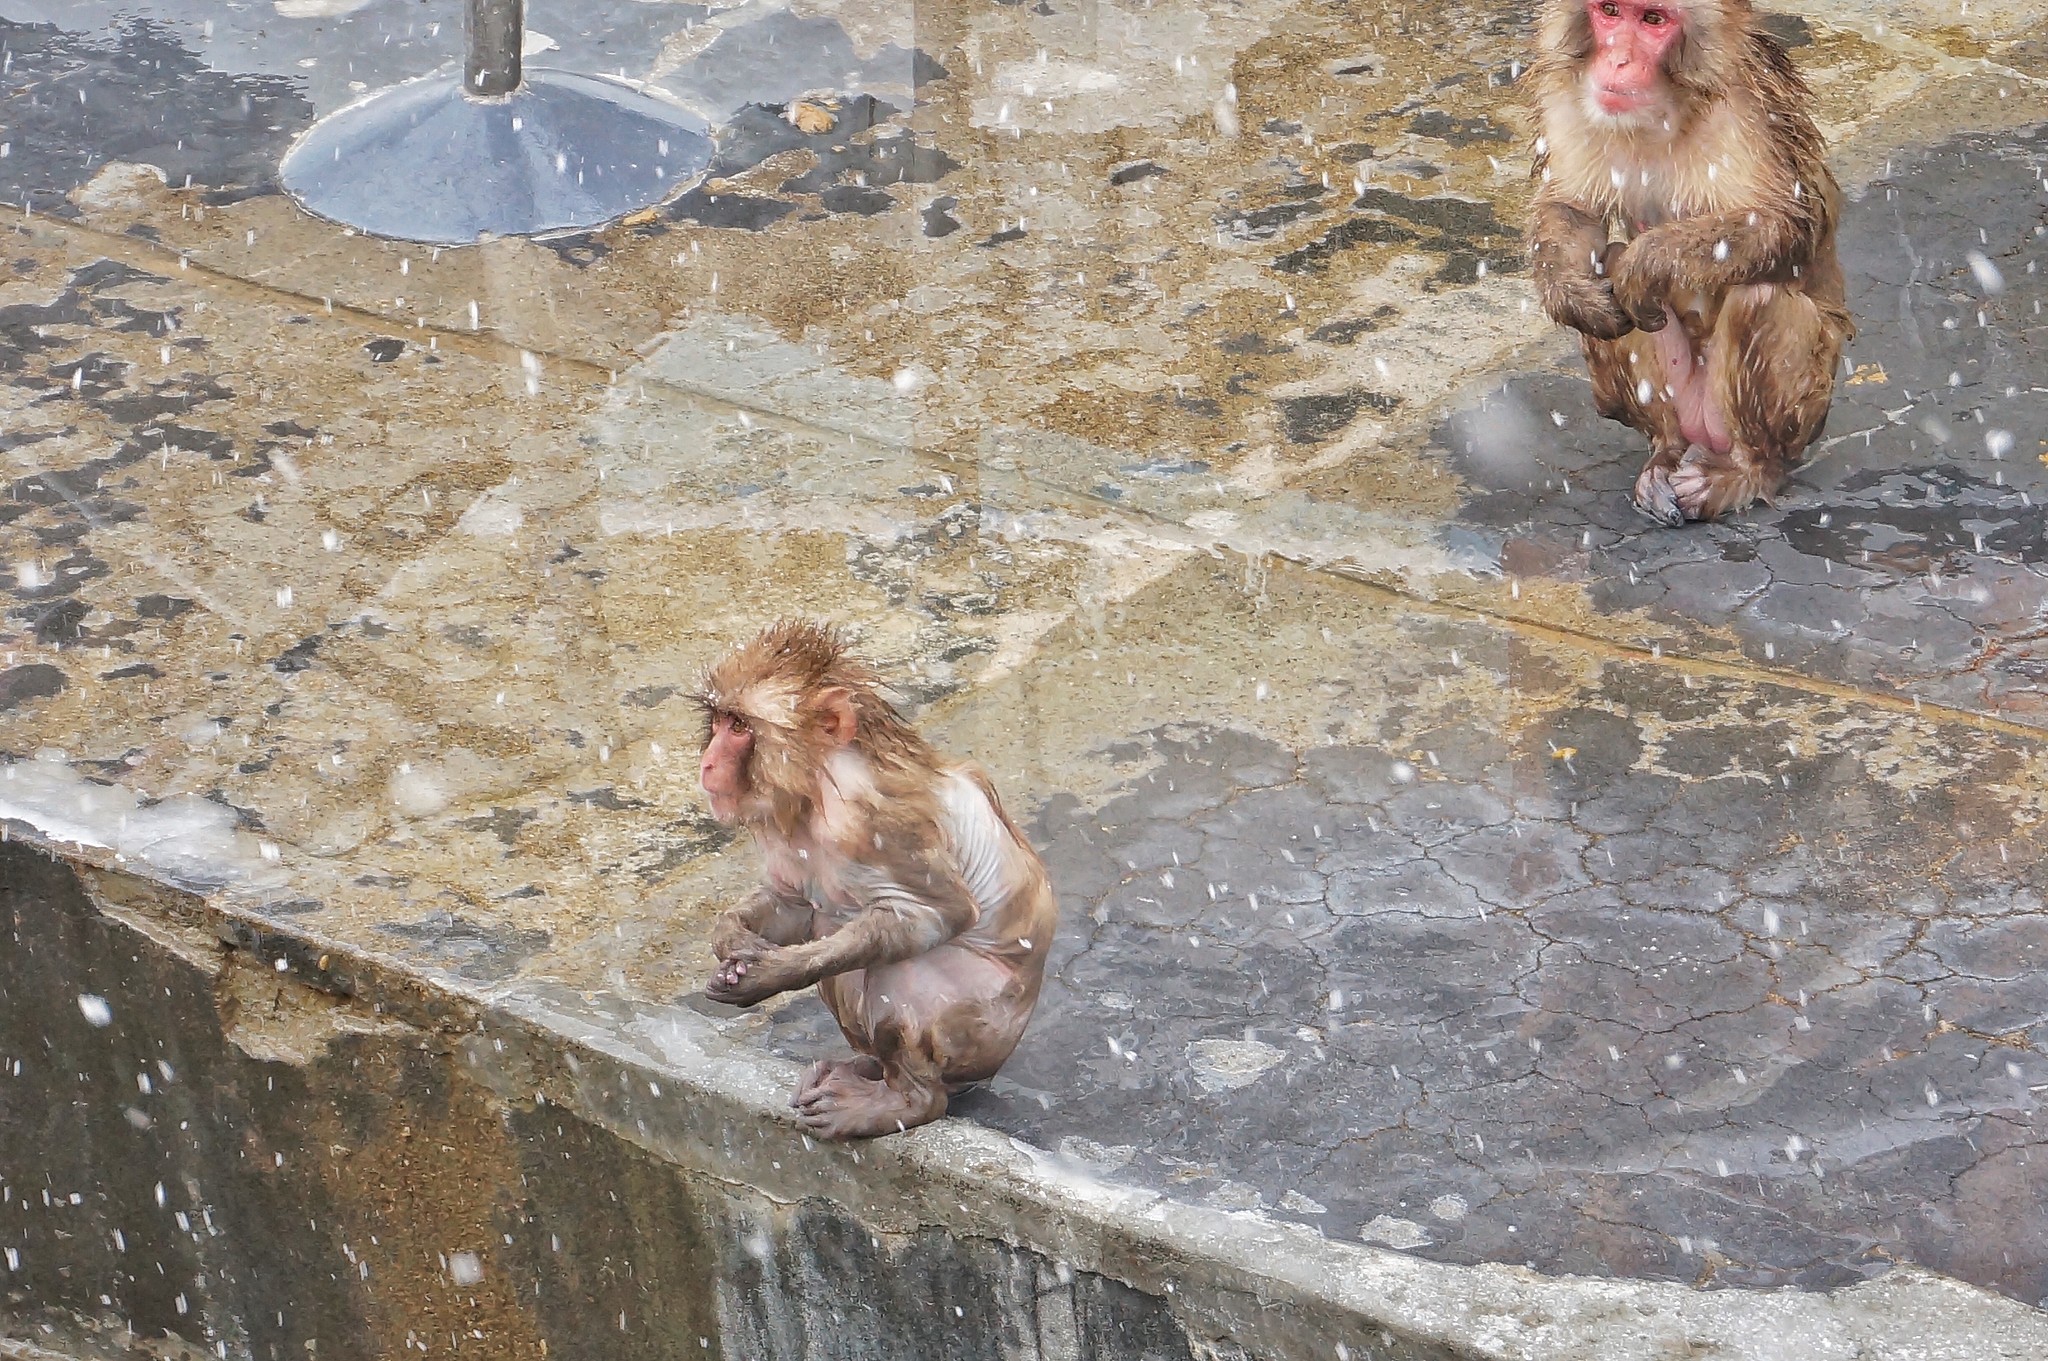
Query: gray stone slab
[1692, 1018]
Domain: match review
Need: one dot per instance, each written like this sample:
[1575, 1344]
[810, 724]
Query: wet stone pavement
[1615, 996]
[1449, 859]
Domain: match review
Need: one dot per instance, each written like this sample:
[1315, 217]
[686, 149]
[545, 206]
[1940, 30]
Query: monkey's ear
[840, 719]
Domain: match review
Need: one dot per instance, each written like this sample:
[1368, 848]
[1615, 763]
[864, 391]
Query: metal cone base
[563, 151]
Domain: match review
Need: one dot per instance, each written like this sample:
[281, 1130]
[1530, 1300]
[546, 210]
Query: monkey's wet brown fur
[777, 681]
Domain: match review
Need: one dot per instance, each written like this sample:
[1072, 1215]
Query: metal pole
[497, 32]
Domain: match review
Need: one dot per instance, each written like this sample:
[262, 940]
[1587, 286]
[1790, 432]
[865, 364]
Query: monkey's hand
[1643, 276]
[730, 934]
[751, 971]
[1569, 259]
[1588, 305]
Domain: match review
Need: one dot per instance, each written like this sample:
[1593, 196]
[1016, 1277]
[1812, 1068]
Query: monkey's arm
[1565, 251]
[1708, 254]
[906, 909]
[767, 915]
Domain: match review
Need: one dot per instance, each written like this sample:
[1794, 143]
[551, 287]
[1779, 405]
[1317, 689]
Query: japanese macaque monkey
[1684, 223]
[892, 879]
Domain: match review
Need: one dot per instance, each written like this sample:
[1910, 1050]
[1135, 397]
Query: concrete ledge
[783, 1239]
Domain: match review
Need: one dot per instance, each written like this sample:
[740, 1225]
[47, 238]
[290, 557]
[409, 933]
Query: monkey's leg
[923, 1027]
[1771, 371]
[844, 995]
[893, 1081]
[1631, 385]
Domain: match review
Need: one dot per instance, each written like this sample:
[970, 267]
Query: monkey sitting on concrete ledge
[892, 879]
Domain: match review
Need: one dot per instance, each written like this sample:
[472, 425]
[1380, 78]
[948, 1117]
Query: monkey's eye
[737, 725]
[1654, 17]
[1611, 9]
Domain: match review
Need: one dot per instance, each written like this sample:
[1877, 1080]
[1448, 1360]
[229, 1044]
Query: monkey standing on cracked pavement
[1714, 324]
[892, 879]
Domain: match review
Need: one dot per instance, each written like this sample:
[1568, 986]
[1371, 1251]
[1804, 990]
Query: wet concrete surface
[1619, 991]
[1156, 395]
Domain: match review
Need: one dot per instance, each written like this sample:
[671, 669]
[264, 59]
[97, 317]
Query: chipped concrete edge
[665, 1079]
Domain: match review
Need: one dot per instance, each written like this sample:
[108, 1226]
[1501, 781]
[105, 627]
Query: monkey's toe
[1692, 489]
[1709, 485]
[861, 1066]
[813, 1075]
[1655, 497]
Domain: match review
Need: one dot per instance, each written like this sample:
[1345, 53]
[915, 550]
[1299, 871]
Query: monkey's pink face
[1631, 39]
[723, 771]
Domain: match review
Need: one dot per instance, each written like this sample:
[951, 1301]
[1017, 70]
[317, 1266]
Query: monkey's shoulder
[1771, 67]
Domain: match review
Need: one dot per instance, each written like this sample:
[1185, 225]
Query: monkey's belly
[1683, 363]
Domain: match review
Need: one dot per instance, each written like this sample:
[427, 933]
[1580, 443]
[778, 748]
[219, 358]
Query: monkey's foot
[840, 1102]
[1709, 485]
[861, 1065]
[1655, 496]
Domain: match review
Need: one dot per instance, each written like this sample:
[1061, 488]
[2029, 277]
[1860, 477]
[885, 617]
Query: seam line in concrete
[494, 346]
[1616, 650]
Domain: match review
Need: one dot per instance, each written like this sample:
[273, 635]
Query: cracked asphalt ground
[1447, 857]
